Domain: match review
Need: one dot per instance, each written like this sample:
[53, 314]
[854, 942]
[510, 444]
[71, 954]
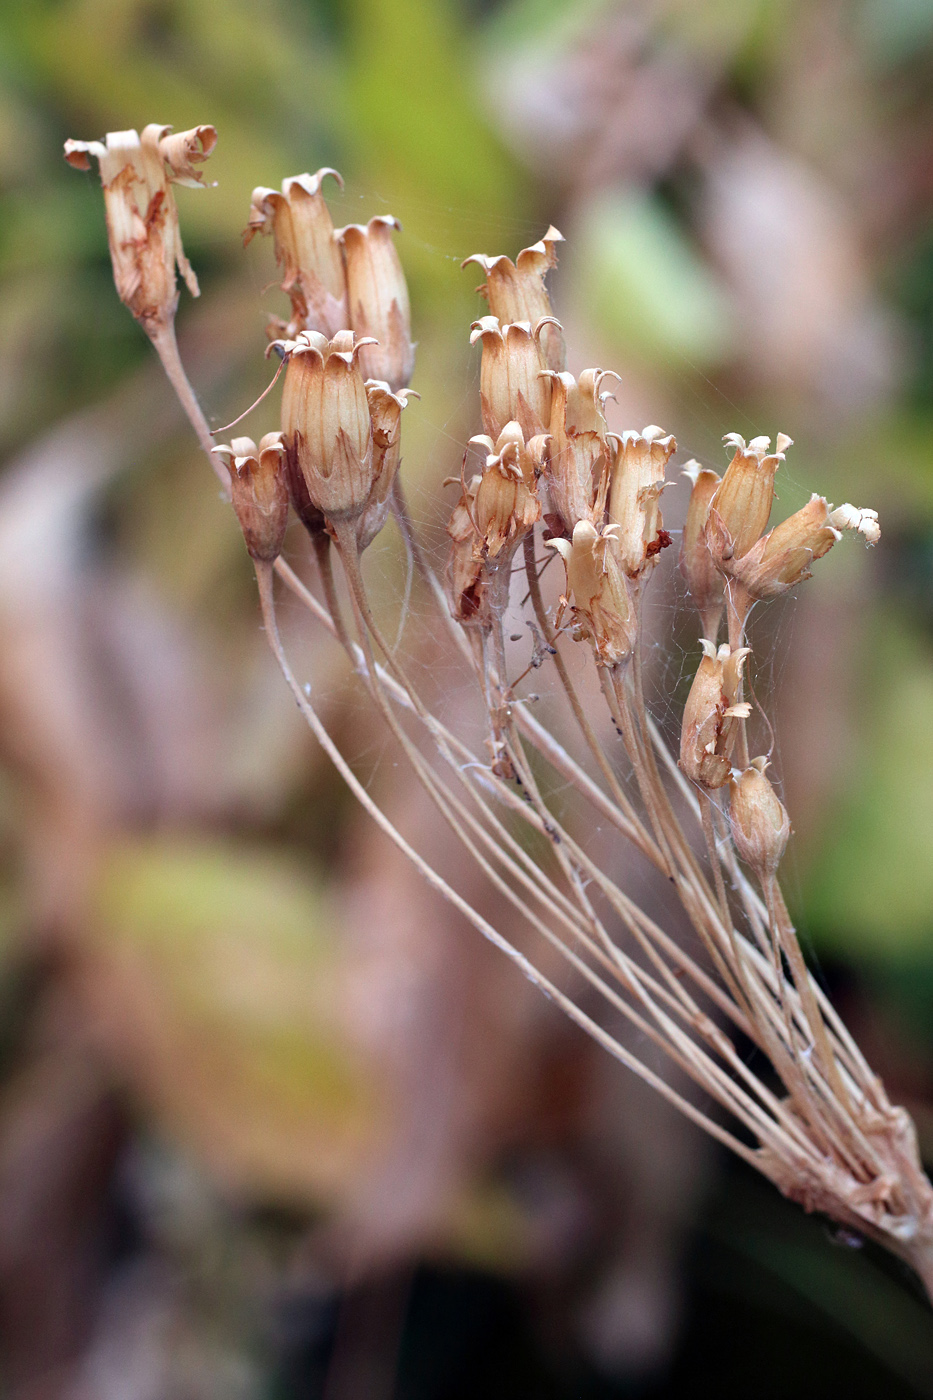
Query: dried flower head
[306, 250]
[759, 822]
[578, 452]
[636, 480]
[513, 387]
[602, 607]
[703, 579]
[137, 174]
[712, 714]
[385, 409]
[260, 492]
[326, 424]
[516, 291]
[378, 302]
[506, 504]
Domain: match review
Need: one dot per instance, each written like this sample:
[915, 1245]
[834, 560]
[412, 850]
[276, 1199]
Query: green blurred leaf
[643, 283]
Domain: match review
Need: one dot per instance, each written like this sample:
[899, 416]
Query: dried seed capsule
[385, 409]
[516, 292]
[378, 300]
[260, 492]
[760, 824]
[703, 579]
[636, 480]
[513, 387]
[783, 557]
[506, 505]
[467, 579]
[576, 470]
[326, 424]
[137, 174]
[306, 250]
[602, 608]
[741, 504]
[711, 716]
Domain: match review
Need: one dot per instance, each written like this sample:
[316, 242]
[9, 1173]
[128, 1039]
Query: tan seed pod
[759, 822]
[782, 558]
[306, 250]
[467, 579]
[326, 423]
[711, 716]
[742, 502]
[137, 174]
[506, 505]
[703, 579]
[259, 490]
[378, 300]
[576, 470]
[385, 409]
[602, 606]
[516, 292]
[513, 387]
[636, 480]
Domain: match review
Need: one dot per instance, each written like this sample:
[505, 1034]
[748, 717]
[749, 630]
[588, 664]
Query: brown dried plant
[822, 1127]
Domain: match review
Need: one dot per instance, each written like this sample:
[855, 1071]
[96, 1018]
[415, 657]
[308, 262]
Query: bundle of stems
[553, 479]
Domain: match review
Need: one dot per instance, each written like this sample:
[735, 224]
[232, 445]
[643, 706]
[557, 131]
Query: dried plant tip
[516, 291]
[576, 470]
[712, 715]
[636, 480]
[703, 579]
[506, 505]
[306, 250]
[783, 557]
[467, 578]
[512, 385]
[385, 410]
[847, 517]
[760, 825]
[260, 492]
[137, 174]
[602, 607]
[378, 300]
[742, 501]
[326, 424]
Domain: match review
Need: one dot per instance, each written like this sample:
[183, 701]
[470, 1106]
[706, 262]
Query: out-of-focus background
[272, 1122]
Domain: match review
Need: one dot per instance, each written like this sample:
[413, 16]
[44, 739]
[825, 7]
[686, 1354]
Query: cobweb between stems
[828, 1136]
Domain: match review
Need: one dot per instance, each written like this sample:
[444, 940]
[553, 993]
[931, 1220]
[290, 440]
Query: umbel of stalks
[138, 174]
[821, 1127]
